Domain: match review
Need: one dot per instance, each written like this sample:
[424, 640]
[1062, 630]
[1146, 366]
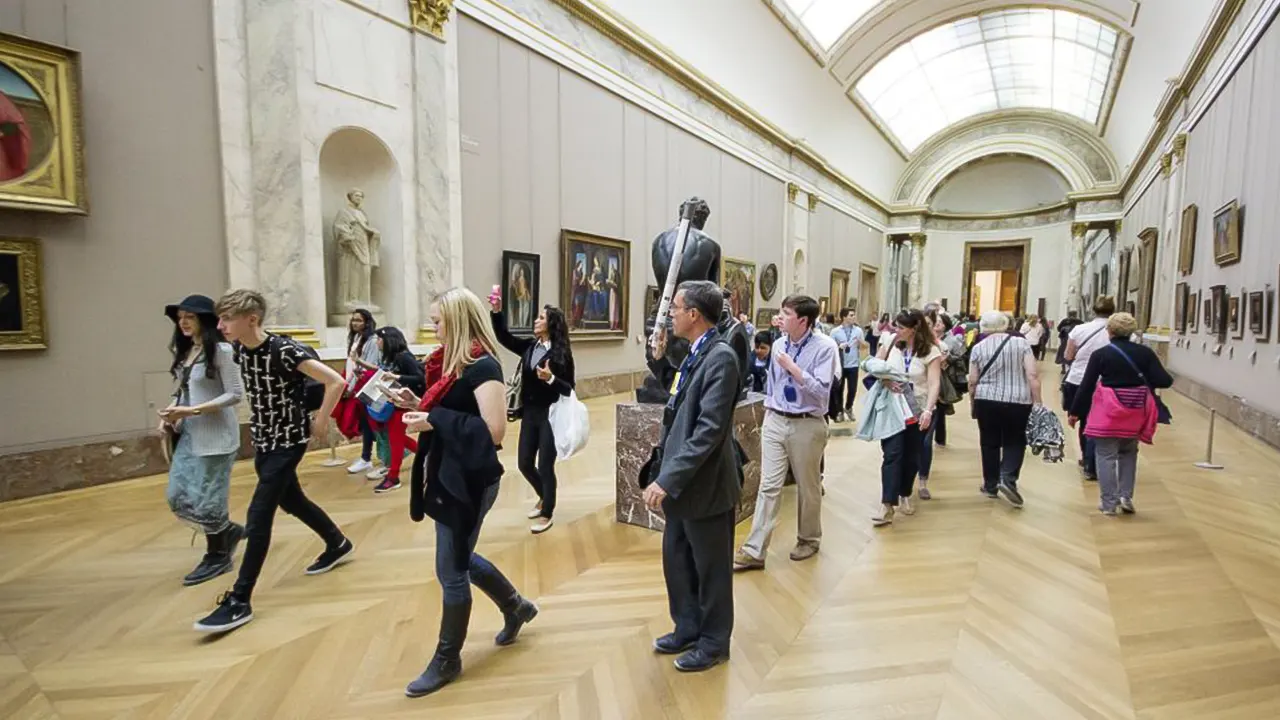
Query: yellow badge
[675, 383]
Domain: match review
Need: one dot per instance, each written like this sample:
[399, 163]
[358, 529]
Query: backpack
[306, 392]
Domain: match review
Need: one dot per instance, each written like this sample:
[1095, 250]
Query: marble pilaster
[1074, 288]
[639, 426]
[916, 282]
[274, 35]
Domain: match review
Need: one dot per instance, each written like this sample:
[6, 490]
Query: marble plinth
[638, 429]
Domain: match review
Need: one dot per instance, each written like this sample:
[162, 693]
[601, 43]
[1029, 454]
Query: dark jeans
[278, 487]
[455, 584]
[940, 433]
[367, 435]
[849, 381]
[697, 562]
[925, 462]
[1087, 451]
[1002, 436]
[901, 462]
[537, 455]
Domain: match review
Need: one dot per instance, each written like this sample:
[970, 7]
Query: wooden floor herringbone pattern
[969, 609]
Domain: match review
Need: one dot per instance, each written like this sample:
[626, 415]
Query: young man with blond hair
[275, 368]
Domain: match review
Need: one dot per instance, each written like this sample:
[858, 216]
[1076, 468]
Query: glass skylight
[1025, 57]
[826, 20]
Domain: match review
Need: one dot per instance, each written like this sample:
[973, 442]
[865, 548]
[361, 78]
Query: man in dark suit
[697, 482]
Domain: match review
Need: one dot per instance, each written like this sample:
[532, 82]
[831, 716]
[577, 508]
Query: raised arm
[515, 344]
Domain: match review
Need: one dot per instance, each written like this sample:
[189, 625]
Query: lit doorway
[995, 277]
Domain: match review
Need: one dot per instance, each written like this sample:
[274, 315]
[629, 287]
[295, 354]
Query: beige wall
[1000, 184]
[154, 232]
[839, 241]
[544, 149]
[1050, 257]
[1234, 153]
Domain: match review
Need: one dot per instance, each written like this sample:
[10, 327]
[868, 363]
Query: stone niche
[355, 158]
[639, 426]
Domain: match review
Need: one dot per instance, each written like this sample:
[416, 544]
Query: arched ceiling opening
[1000, 184]
[919, 67]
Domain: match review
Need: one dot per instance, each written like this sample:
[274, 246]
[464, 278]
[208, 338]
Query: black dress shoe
[669, 644]
[697, 660]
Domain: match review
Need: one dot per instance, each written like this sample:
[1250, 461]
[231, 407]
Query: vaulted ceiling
[920, 67]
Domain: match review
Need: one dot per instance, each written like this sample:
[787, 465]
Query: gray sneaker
[1010, 493]
[1126, 506]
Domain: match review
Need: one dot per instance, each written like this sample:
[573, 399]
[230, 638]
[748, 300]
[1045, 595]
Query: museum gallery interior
[571, 163]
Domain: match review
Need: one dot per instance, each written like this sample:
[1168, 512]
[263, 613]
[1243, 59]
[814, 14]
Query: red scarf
[438, 383]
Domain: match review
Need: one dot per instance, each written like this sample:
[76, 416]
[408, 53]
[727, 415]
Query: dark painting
[521, 273]
[10, 297]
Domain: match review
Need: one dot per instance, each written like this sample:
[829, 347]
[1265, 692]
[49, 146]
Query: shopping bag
[570, 425]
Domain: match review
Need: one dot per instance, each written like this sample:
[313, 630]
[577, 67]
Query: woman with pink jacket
[1118, 396]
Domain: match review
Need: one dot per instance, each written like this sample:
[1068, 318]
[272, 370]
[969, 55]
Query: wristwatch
[196, 411]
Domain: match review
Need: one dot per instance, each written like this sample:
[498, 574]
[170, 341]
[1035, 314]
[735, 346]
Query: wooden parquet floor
[969, 609]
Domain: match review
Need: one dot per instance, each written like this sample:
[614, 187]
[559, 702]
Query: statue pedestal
[639, 426]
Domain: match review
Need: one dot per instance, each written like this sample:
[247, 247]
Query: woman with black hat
[202, 420]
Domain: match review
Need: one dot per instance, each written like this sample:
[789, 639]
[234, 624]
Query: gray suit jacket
[216, 432]
[700, 469]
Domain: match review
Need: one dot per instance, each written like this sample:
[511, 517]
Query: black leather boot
[446, 665]
[217, 558]
[516, 611]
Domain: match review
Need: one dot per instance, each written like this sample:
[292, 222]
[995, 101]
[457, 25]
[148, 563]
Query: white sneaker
[359, 466]
[541, 526]
[376, 473]
[536, 512]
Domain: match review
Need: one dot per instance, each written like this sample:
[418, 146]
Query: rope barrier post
[1208, 463]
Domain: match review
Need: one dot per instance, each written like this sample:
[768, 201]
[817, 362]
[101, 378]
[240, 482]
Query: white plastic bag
[570, 425]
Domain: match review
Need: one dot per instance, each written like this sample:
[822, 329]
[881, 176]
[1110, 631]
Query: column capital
[1180, 146]
[430, 16]
[1078, 230]
[918, 239]
[813, 202]
[1166, 164]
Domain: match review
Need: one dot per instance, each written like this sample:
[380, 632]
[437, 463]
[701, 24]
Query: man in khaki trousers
[794, 435]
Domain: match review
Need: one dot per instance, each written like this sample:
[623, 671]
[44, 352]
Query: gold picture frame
[1226, 234]
[21, 295]
[1187, 239]
[595, 285]
[42, 162]
[739, 276]
[839, 291]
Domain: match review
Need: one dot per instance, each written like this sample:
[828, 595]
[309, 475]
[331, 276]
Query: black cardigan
[1107, 366]
[410, 371]
[534, 391]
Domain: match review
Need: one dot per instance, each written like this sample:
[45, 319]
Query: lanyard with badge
[789, 390]
[688, 360]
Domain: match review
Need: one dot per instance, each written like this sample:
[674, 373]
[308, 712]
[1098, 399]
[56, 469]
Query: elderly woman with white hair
[1004, 384]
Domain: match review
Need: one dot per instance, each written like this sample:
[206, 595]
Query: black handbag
[515, 384]
[1163, 415]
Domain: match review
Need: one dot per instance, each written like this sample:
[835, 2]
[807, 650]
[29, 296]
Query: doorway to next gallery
[995, 277]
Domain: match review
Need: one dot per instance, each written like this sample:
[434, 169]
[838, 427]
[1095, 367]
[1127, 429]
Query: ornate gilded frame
[568, 238]
[30, 293]
[840, 280]
[966, 280]
[748, 268]
[57, 183]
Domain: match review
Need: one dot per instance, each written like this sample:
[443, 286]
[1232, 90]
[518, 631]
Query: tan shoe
[804, 550]
[905, 506]
[743, 561]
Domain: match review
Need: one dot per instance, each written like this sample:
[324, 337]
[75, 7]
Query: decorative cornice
[1166, 164]
[813, 202]
[1180, 146]
[918, 239]
[792, 191]
[1079, 229]
[637, 41]
[430, 16]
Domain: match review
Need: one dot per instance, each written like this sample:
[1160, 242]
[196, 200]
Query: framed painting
[1208, 316]
[764, 316]
[1226, 234]
[1258, 317]
[21, 295]
[521, 290]
[595, 285]
[1268, 319]
[1234, 326]
[1193, 312]
[1180, 308]
[41, 139]
[839, 290]
[652, 298]
[824, 307]
[739, 276]
[768, 282]
[1218, 311]
[1187, 239]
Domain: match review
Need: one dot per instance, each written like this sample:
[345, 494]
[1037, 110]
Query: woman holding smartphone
[462, 419]
[203, 417]
[546, 363]
[398, 364]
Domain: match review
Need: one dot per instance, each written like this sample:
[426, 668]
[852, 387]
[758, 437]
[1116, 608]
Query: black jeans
[900, 465]
[537, 455]
[697, 562]
[849, 380]
[278, 487]
[366, 436]
[940, 426]
[1069, 391]
[1002, 436]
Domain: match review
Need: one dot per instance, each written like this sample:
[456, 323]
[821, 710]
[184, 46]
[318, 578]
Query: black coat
[534, 391]
[701, 464]
[1107, 366]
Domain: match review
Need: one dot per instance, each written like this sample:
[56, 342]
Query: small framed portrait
[521, 273]
[764, 316]
[1187, 239]
[1208, 317]
[652, 298]
[768, 281]
[1218, 311]
[41, 141]
[1258, 316]
[1180, 296]
[1226, 234]
[1234, 326]
[739, 276]
[1193, 312]
[1269, 300]
[21, 295]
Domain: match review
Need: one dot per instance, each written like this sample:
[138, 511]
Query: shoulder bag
[1163, 416]
[973, 413]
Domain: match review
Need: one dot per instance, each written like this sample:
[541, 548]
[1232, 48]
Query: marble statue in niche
[358, 244]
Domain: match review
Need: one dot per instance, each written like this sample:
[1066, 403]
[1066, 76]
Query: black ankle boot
[514, 617]
[217, 558]
[446, 665]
